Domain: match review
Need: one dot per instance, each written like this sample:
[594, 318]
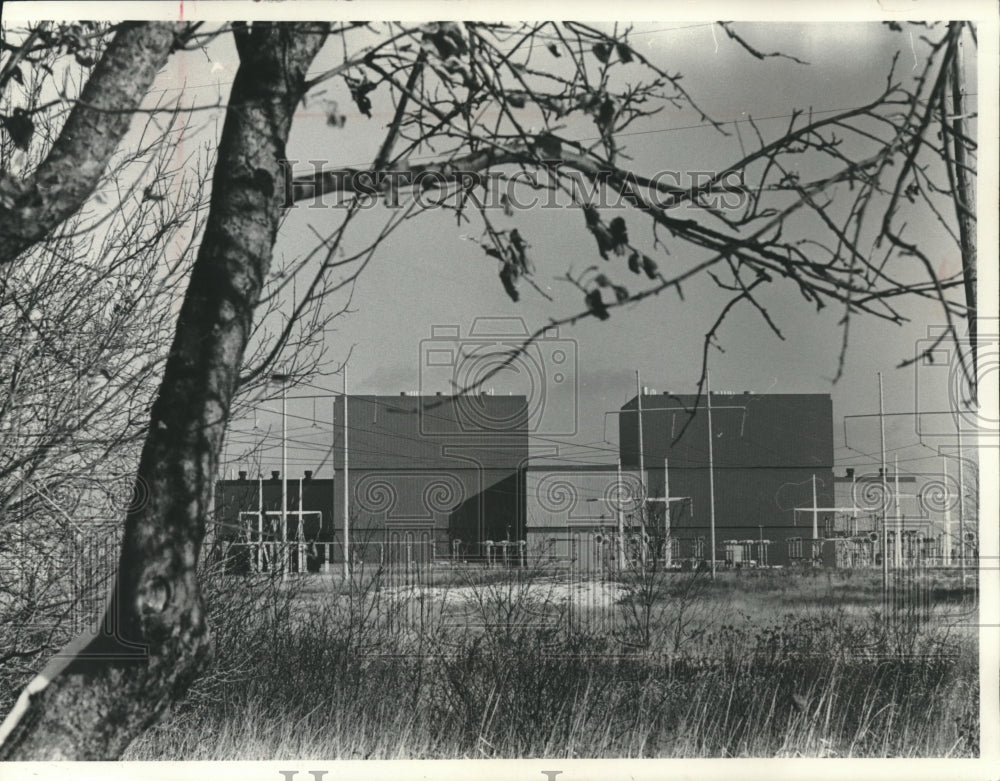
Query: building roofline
[690, 398]
[408, 396]
[575, 468]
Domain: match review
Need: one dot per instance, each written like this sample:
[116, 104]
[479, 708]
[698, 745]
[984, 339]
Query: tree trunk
[965, 207]
[103, 691]
[33, 208]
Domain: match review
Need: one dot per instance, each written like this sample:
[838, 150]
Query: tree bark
[965, 207]
[93, 700]
[33, 208]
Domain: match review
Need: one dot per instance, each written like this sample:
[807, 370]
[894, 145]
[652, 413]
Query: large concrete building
[449, 477]
[772, 457]
[443, 473]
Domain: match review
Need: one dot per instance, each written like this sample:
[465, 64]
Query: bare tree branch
[31, 209]
[91, 702]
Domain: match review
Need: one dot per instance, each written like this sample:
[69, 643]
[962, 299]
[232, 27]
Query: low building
[574, 515]
[428, 477]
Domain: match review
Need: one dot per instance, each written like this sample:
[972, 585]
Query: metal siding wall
[470, 504]
[436, 468]
[778, 430]
[763, 462]
[427, 432]
[560, 498]
[466, 503]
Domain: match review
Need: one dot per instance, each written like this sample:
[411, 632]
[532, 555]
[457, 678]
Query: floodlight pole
[347, 491]
[284, 482]
[638, 401]
[328, 553]
[711, 468]
[300, 535]
[898, 542]
[961, 507]
[815, 512]
[946, 550]
[667, 553]
[260, 523]
[621, 521]
[283, 379]
[885, 496]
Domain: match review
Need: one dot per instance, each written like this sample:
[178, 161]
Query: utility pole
[667, 499]
[638, 400]
[854, 501]
[885, 497]
[347, 493]
[286, 552]
[898, 542]
[284, 482]
[642, 471]
[881, 414]
[667, 553]
[711, 468]
[815, 513]
[961, 508]
[327, 562]
[260, 523]
[946, 551]
[710, 444]
[965, 210]
[284, 558]
[300, 536]
[621, 521]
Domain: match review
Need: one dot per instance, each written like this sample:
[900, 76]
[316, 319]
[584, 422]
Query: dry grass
[505, 665]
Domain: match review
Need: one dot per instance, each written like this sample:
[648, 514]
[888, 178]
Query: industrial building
[437, 475]
[448, 478]
[761, 466]
[576, 515]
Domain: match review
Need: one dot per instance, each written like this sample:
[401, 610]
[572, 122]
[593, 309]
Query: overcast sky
[430, 274]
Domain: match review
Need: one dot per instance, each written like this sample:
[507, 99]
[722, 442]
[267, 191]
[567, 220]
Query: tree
[483, 100]
[120, 680]
[85, 322]
[83, 348]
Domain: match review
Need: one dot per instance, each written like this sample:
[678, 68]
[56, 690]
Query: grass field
[476, 663]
